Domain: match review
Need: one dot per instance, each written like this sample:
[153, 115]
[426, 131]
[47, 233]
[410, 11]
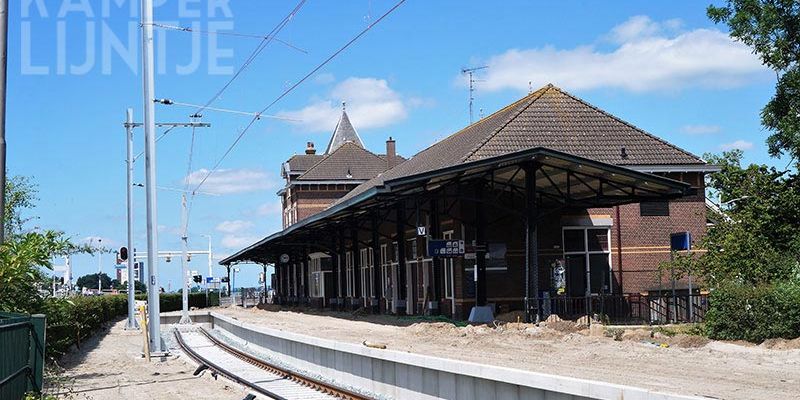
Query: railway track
[261, 376]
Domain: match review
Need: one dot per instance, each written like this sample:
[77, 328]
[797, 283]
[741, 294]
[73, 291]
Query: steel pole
[100, 267]
[3, 80]
[132, 323]
[210, 271]
[210, 258]
[184, 261]
[148, 90]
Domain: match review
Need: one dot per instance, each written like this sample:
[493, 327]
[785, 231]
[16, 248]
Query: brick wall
[308, 200]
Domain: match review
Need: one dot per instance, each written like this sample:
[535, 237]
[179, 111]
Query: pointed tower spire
[343, 133]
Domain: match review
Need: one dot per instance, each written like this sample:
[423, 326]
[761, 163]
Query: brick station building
[557, 202]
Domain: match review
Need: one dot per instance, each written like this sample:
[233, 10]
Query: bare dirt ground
[682, 364]
[110, 366]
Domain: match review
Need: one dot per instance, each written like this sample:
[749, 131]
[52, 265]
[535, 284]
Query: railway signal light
[123, 253]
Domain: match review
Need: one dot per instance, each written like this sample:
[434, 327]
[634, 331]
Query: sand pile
[781, 344]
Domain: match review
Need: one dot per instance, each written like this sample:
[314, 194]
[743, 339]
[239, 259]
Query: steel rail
[316, 384]
[222, 371]
[298, 379]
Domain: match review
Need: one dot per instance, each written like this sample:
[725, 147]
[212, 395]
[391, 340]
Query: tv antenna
[472, 80]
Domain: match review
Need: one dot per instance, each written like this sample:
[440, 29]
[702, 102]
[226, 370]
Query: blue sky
[74, 69]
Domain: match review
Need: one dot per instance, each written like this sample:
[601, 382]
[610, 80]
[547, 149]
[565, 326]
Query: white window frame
[385, 267]
[586, 253]
[348, 272]
[449, 264]
[411, 269]
[317, 278]
[366, 269]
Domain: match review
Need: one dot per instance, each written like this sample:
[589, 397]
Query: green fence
[22, 344]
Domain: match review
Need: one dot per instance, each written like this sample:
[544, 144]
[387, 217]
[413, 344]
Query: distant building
[315, 181]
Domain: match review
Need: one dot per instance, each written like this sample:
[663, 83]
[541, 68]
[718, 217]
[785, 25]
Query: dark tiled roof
[548, 117]
[349, 158]
[343, 133]
[560, 121]
[302, 162]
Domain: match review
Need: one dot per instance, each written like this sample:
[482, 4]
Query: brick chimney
[310, 148]
[391, 153]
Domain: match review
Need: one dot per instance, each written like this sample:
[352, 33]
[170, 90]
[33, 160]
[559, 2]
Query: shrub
[70, 321]
[754, 313]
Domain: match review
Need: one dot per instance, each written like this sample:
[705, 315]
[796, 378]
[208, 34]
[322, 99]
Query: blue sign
[446, 248]
[209, 279]
[680, 241]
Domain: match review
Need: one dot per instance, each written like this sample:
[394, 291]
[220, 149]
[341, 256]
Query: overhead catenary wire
[223, 33]
[157, 139]
[170, 102]
[261, 46]
[294, 86]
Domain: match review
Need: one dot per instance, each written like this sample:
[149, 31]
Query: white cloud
[324, 78]
[700, 129]
[738, 144]
[237, 242]
[230, 181]
[273, 208]
[235, 226]
[641, 26]
[371, 103]
[647, 56]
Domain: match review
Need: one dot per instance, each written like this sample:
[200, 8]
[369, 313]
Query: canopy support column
[532, 303]
[437, 262]
[228, 272]
[400, 286]
[356, 264]
[341, 286]
[333, 292]
[480, 247]
[376, 267]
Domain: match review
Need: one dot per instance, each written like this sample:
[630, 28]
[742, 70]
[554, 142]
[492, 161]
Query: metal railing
[244, 297]
[630, 308]
[22, 343]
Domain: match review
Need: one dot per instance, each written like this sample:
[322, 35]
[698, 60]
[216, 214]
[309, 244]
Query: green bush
[754, 313]
[71, 321]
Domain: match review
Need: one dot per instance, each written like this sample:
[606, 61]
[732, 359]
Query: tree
[772, 29]
[90, 281]
[138, 286]
[755, 239]
[27, 253]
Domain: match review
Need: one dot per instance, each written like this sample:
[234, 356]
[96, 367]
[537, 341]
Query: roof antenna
[472, 80]
[530, 87]
[344, 106]
[480, 113]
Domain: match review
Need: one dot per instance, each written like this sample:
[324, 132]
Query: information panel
[446, 248]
